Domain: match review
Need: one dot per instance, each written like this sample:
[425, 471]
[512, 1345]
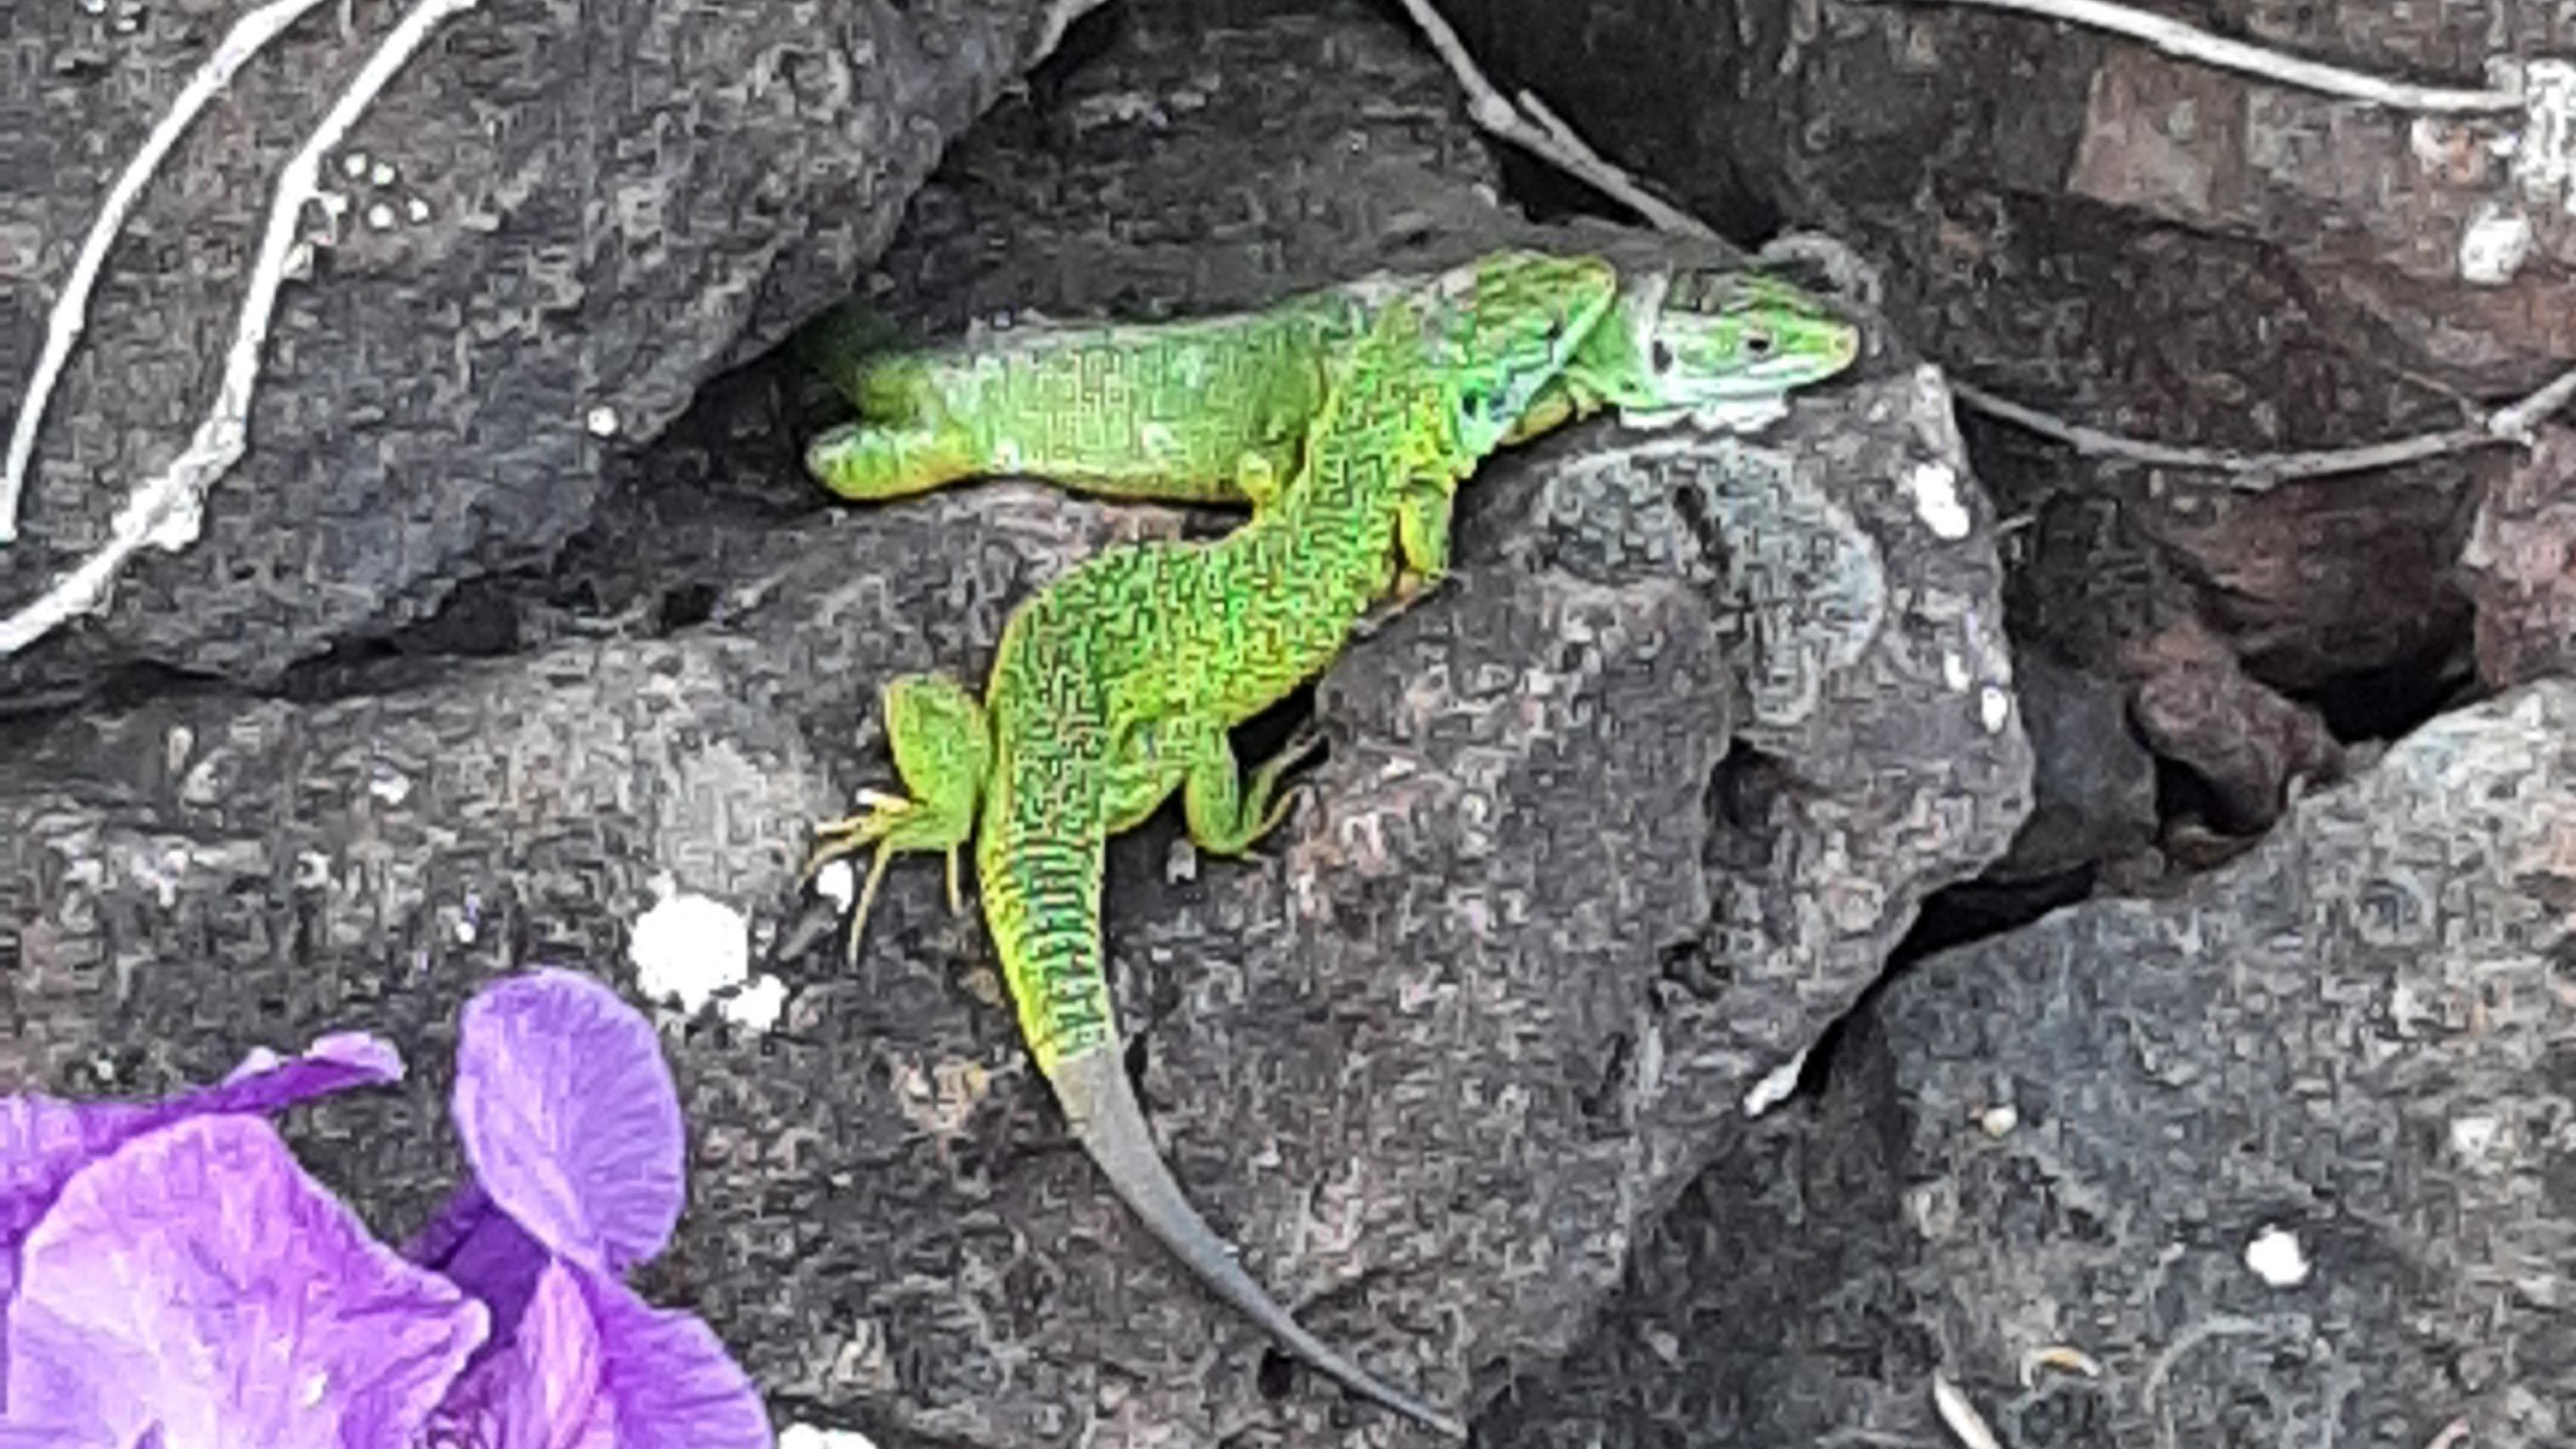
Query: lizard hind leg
[1227, 813]
[943, 749]
[876, 461]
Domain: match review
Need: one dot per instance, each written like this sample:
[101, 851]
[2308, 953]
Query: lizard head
[1717, 335]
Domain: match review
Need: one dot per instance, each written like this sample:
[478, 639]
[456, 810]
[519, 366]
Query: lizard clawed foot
[1408, 590]
[881, 819]
[1264, 785]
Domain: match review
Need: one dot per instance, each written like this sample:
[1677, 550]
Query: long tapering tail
[1106, 1119]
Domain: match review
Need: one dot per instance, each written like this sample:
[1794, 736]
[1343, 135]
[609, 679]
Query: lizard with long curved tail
[1214, 409]
[1117, 682]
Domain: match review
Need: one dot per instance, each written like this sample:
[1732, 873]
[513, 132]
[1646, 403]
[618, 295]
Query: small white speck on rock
[602, 421]
[2474, 1137]
[838, 882]
[806, 1436]
[1994, 708]
[2276, 1257]
[2493, 245]
[756, 1007]
[688, 948]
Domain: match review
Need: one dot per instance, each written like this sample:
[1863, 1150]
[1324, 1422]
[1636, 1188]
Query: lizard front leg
[943, 749]
[1420, 564]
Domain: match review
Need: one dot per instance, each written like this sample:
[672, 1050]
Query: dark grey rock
[610, 217]
[2352, 1040]
[1611, 829]
[2094, 790]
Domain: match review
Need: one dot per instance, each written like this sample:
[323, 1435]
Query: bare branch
[1960, 1416]
[247, 38]
[2172, 37]
[2247, 470]
[2515, 422]
[1536, 129]
[166, 510]
[1546, 135]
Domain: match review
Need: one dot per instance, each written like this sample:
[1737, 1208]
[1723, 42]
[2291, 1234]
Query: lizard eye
[1473, 403]
[1757, 344]
[1661, 355]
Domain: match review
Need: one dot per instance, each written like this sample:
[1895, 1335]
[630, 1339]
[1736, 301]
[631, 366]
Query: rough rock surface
[2283, 1157]
[2442, 239]
[1612, 828]
[557, 209]
[2520, 562]
[2148, 246]
[1494, 996]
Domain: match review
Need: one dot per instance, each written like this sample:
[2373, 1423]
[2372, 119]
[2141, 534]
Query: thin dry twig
[249, 35]
[1960, 1416]
[2172, 37]
[1534, 128]
[1550, 138]
[2252, 471]
[2516, 421]
[167, 510]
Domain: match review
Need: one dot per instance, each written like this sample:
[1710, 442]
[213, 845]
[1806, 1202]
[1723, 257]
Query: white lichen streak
[2544, 154]
[247, 38]
[1934, 486]
[1775, 1087]
[167, 509]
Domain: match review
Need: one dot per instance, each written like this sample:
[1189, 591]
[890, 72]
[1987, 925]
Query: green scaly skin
[1117, 683]
[1214, 409]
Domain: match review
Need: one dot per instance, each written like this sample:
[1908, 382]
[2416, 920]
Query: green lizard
[1117, 682]
[1213, 409]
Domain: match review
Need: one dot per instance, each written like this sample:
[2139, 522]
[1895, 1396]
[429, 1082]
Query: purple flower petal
[479, 1248]
[543, 1390]
[198, 1281]
[334, 1063]
[670, 1383]
[554, 1398]
[43, 1141]
[569, 1117]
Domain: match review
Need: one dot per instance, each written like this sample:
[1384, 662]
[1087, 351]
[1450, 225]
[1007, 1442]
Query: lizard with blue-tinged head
[1118, 681]
[1214, 409]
